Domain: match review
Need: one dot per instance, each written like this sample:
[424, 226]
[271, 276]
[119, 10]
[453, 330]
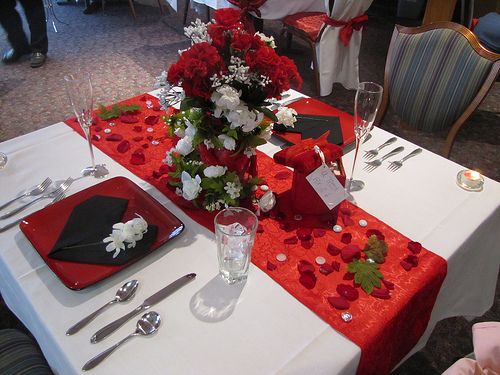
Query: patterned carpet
[126, 56]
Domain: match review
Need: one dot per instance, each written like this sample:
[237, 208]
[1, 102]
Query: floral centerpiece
[228, 76]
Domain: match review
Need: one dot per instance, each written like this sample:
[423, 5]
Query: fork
[370, 154]
[61, 189]
[37, 190]
[10, 225]
[371, 165]
[395, 165]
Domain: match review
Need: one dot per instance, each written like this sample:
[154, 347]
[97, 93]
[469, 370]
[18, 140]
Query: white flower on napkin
[286, 116]
[214, 171]
[190, 186]
[116, 243]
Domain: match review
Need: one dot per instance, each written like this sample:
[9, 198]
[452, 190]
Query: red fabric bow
[246, 7]
[348, 26]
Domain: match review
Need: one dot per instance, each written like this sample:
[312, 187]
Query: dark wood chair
[435, 76]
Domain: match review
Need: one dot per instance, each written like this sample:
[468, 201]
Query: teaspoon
[125, 293]
[147, 325]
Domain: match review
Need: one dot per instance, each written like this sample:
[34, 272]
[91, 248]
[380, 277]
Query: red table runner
[385, 328]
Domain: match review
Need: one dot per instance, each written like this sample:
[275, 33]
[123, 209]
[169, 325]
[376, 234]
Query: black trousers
[12, 24]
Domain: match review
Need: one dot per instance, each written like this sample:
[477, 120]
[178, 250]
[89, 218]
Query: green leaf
[375, 249]
[130, 108]
[366, 274]
[108, 114]
[268, 113]
[255, 141]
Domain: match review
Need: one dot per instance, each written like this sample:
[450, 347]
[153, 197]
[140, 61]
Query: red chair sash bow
[347, 26]
[246, 7]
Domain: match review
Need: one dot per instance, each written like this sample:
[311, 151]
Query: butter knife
[148, 302]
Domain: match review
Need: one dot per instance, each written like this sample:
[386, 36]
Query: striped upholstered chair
[435, 77]
[19, 355]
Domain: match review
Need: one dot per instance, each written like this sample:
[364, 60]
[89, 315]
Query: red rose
[228, 17]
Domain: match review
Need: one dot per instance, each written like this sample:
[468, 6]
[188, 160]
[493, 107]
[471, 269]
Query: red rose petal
[95, 137]
[129, 119]
[114, 137]
[346, 238]
[380, 293]
[137, 128]
[123, 146]
[304, 233]
[388, 284]
[97, 128]
[376, 232]
[340, 303]
[332, 249]
[151, 120]
[348, 276]
[318, 232]
[143, 98]
[349, 252]
[304, 266]
[260, 228]
[271, 266]
[157, 108]
[145, 145]
[347, 291]
[307, 244]
[407, 266]
[336, 265]
[326, 269]
[138, 157]
[412, 259]
[284, 226]
[282, 175]
[308, 279]
[138, 139]
[414, 247]
[291, 240]
[164, 169]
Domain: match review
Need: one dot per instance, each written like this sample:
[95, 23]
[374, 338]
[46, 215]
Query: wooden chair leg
[161, 7]
[186, 10]
[132, 8]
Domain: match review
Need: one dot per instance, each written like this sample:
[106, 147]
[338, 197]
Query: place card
[328, 187]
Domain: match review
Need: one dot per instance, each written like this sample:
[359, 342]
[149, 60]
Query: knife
[148, 302]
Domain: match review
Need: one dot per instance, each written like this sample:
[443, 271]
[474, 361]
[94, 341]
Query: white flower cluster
[286, 116]
[233, 189]
[190, 186]
[216, 205]
[227, 103]
[198, 32]
[185, 144]
[125, 235]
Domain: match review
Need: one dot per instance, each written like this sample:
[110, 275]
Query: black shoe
[37, 59]
[11, 55]
[93, 7]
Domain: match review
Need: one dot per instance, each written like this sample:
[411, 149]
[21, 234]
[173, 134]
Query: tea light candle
[470, 180]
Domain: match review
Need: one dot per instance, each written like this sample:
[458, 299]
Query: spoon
[126, 292]
[147, 325]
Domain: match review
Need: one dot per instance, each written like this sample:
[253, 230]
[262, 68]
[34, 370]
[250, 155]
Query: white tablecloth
[274, 9]
[255, 328]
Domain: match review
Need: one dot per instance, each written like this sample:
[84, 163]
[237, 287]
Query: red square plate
[43, 228]
[310, 106]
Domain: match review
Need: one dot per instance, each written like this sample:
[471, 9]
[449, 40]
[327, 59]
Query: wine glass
[366, 104]
[79, 90]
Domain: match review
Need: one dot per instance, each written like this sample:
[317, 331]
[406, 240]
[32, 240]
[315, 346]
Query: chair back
[435, 72]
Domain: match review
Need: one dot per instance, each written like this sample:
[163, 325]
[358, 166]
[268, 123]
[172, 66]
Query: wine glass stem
[358, 142]
[86, 130]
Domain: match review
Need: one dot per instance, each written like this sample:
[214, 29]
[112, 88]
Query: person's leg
[13, 26]
[35, 14]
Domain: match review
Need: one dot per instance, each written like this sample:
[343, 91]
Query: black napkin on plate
[313, 126]
[89, 223]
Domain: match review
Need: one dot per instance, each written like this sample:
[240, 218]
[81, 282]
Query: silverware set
[40, 191]
[393, 166]
[148, 324]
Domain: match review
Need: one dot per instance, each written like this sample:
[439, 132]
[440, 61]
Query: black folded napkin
[89, 223]
[313, 126]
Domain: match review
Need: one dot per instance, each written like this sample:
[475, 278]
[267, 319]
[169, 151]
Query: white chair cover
[336, 62]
